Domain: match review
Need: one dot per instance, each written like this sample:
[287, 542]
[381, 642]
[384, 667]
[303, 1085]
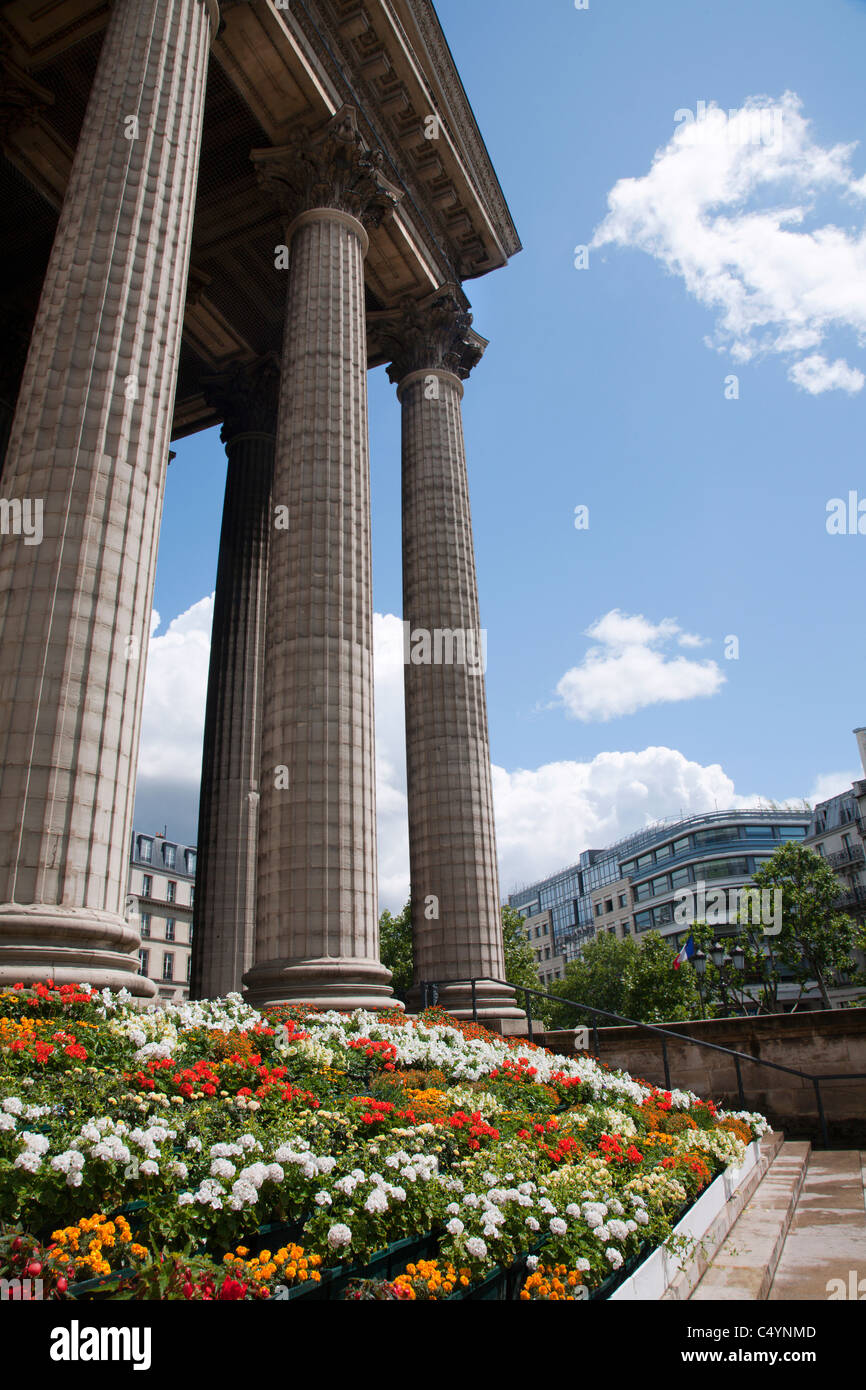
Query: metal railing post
[667, 1064]
[528, 997]
[742, 1093]
[825, 1138]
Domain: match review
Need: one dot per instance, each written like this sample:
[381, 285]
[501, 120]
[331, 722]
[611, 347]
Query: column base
[70, 945]
[496, 1005]
[340, 983]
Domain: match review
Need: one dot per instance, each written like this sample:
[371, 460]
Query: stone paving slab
[743, 1267]
[827, 1239]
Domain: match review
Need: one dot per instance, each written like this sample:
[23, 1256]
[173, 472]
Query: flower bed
[210, 1151]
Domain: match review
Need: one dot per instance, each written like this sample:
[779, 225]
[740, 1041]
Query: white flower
[618, 1229]
[323, 1199]
[531, 1263]
[194, 1143]
[7, 1122]
[614, 1256]
[572, 1210]
[29, 1160]
[532, 1223]
[178, 1170]
[149, 1168]
[558, 1227]
[221, 1168]
[603, 1234]
[185, 1199]
[476, 1248]
[453, 1209]
[582, 1266]
[376, 1202]
[36, 1143]
[641, 1217]
[346, 1185]
[455, 1227]
[13, 1106]
[339, 1236]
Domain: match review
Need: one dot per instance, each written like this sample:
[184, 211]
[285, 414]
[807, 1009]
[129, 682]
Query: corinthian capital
[330, 168]
[433, 334]
[247, 397]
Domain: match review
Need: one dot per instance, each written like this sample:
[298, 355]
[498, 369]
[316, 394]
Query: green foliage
[599, 978]
[635, 981]
[656, 992]
[395, 946]
[521, 967]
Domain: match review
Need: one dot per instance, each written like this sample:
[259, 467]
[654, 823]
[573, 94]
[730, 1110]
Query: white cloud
[815, 375]
[829, 784]
[626, 671]
[726, 212]
[544, 817]
[175, 691]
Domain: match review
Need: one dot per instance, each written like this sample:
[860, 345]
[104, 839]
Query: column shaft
[224, 941]
[88, 448]
[456, 922]
[316, 925]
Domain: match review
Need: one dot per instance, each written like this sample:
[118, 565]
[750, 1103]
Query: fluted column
[88, 449]
[317, 934]
[456, 924]
[225, 892]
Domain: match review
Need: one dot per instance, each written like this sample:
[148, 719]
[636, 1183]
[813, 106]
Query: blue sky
[605, 387]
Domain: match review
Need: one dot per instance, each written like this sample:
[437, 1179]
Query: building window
[145, 849]
[188, 967]
[792, 832]
[147, 885]
[643, 921]
[680, 877]
[167, 965]
[143, 962]
[720, 835]
[643, 891]
[190, 861]
[608, 904]
[663, 851]
[622, 899]
[145, 924]
[171, 891]
[644, 860]
[189, 938]
[169, 929]
[681, 846]
[660, 885]
[191, 894]
[598, 909]
[168, 855]
[819, 849]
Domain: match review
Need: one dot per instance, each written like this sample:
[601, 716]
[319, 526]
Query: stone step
[825, 1251]
[745, 1264]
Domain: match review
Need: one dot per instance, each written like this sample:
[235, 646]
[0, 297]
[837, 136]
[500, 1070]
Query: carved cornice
[433, 334]
[330, 168]
[22, 100]
[246, 396]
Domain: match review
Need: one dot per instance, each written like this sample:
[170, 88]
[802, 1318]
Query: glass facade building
[651, 869]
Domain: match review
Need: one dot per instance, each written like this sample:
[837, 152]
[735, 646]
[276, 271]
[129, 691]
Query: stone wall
[820, 1043]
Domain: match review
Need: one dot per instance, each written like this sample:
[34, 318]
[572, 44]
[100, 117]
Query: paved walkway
[827, 1237]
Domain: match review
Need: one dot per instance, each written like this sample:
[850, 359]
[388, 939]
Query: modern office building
[161, 903]
[540, 935]
[636, 884]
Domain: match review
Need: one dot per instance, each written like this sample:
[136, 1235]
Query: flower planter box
[88, 1288]
[655, 1275]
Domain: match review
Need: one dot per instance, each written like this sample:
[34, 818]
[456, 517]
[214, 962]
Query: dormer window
[145, 849]
[168, 855]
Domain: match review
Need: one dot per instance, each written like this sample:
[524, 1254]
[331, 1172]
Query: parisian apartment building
[837, 832]
[161, 902]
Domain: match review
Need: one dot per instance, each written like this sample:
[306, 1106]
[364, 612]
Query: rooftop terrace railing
[430, 994]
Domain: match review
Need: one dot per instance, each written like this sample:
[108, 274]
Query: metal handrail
[665, 1033]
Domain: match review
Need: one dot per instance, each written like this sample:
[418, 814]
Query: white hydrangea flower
[558, 1227]
[476, 1248]
[614, 1257]
[339, 1236]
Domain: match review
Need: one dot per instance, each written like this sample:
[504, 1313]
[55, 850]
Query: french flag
[685, 954]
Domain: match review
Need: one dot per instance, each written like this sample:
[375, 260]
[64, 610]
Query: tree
[816, 941]
[395, 946]
[599, 978]
[656, 992]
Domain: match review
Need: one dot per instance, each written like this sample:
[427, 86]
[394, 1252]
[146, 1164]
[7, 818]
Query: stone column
[317, 931]
[86, 461]
[456, 924]
[225, 891]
